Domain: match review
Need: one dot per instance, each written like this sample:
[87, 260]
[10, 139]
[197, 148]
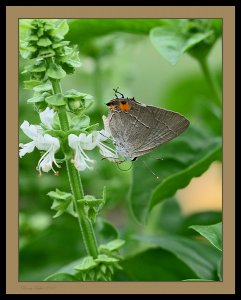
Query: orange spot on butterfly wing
[112, 106]
[124, 106]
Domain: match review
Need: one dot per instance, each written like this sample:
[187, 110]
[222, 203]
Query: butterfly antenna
[109, 138]
[156, 158]
[148, 168]
[116, 92]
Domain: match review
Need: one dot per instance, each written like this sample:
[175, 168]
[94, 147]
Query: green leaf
[199, 257]
[44, 53]
[80, 122]
[182, 178]
[156, 265]
[33, 38]
[25, 24]
[40, 32]
[113, 245]
[37, 67]
[69, 268]
[170, 216]
[25, 50]
[59, 195]
[67, 68]
[102, 258]
[30, 84]
[61, 30]
[202, 218]
[44, 42]
[39, 98]
[56, 100]
[103, 268]
[72, 58]
[61, 202]
[86, 263]
[90, 202]
[213, 233]
[73, 94]
[45, 87]
[91, 206]
[171, 43]
[60, 44]
[86, 96]
[188, 156]
[61, 277]
[55, 71]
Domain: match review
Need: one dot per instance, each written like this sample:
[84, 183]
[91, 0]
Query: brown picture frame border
[227, 14]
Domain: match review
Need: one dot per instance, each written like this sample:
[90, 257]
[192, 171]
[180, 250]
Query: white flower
[106, 151]
[100, 136]
[51, 145]
[47, 117]
[79, 144]
[45, 142]
[89, 142]
[34, 132]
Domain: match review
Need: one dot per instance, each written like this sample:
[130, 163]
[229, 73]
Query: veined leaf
[184, 158]
[171, 43]
[199, 257]
[213, 233]
[61, 277]
[156, 265]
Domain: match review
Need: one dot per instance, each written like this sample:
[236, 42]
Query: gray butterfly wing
[166, 125]
[129, 128]
[144, 128]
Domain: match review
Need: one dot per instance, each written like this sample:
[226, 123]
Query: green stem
[56, 86]
[211, 81]
[86, 227]
[85, 224]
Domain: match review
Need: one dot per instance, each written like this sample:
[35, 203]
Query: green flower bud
[74, 104]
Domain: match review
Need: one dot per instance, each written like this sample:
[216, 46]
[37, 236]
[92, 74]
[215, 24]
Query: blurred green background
[110, 59]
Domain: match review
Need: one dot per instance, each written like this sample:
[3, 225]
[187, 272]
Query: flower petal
[51, 145]
[87, 142]
[44, 143]
[47, 117]
[32, 131]
[26, 148]
[80, 160]
[73, 141]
